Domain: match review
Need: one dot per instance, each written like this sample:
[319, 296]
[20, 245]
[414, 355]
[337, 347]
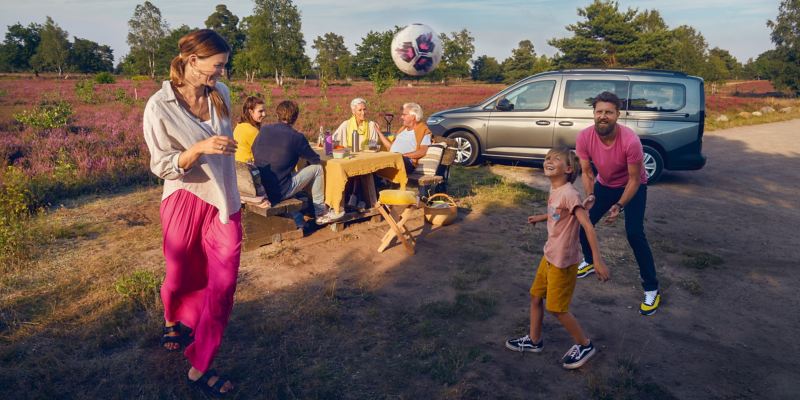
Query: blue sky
[738, 26]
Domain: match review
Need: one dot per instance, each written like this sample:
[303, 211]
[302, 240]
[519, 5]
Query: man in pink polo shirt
[621, 184]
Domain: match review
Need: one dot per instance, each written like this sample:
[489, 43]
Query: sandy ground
[733, 337]
[725, 245]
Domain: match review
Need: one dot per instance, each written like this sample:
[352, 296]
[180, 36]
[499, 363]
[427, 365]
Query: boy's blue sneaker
[525, 344]
[577, 356]
[585, 269]
[652, 300]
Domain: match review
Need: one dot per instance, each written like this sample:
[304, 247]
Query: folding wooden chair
[397, 229]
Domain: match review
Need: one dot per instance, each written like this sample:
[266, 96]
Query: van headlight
[435, 120]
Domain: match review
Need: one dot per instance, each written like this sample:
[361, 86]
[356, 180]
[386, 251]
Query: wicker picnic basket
[440, 212]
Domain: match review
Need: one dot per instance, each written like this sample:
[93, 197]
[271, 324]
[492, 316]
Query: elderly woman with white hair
[413, 138]
[367, 130]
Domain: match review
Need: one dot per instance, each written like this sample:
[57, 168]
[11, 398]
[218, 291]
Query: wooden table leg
[371, 195]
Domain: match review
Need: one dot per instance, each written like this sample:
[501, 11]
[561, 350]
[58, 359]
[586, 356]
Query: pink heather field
[102, 147]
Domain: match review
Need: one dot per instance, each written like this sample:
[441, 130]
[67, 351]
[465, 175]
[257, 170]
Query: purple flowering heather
[102, 147]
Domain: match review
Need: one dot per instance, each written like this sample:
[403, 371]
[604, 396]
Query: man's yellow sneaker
[585, 269]
[651, 301]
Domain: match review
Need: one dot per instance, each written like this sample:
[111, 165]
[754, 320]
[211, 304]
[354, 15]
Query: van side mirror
[504, 105]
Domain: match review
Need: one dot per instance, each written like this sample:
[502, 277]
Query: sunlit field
[100, 146]
[81, 137]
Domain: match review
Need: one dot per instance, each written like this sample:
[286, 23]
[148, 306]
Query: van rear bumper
[686, 158]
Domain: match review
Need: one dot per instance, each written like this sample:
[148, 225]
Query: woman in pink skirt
[187, 127]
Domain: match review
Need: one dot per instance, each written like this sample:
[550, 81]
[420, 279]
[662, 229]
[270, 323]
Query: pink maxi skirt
[202, 257]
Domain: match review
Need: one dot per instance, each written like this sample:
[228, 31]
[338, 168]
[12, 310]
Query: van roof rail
[628, 70]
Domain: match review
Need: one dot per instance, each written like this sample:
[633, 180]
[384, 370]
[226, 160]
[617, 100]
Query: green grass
[478, 187]
[692, 286]
[84, 229]
[468, 278]
[476, 306]
[701, 260]
[735, 120]
[140, 287]
[625, 382]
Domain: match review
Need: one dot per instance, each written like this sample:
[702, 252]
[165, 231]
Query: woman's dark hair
[203, 43]
[607, 97]
[287, 111]
[250, 103]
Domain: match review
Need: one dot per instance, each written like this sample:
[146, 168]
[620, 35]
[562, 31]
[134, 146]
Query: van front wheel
[653, 164]
[466, 148]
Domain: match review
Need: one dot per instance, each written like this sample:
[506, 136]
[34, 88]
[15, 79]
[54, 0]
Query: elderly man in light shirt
[413, 138]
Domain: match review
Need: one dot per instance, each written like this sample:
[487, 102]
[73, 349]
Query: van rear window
[652, 96]
[580, 93]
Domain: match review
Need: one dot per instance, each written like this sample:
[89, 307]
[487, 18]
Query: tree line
[38, 47]
[270, 43]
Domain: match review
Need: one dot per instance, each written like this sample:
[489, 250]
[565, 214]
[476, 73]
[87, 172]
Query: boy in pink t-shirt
[556, 276]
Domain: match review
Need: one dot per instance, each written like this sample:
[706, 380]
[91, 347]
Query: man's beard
[604, 130]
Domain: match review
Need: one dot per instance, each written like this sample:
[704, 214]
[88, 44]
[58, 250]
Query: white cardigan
[169, 129]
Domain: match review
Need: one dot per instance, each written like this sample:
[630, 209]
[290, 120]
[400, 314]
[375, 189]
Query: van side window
[652, 96]
[535, 96]
[580, 93]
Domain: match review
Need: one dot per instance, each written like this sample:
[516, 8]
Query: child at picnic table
[556, 276]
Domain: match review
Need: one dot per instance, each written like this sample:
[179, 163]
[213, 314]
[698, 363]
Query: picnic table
[358, 168]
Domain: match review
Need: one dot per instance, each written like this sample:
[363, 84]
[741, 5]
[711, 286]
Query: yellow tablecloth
[338, 171]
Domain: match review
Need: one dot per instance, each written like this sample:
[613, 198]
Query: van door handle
[543, 123]
[565, 123]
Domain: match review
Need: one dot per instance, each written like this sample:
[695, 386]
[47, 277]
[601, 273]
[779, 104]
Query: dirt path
[726, 330]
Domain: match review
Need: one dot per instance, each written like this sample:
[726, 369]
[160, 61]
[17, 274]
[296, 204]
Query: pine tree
[522, 62]
[333, 58]
[224, 22]
[88, 56]
[786, 36]
[19, 47]
[457, 52]
[487, 69]
[374, 55]
[599, 38]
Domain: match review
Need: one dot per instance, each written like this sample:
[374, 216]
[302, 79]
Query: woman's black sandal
[180, 338]
[212, 390]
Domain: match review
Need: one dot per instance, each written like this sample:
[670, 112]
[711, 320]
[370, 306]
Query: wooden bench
[262, 226]
[433, 170]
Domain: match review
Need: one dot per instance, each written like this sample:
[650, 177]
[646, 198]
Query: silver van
[524, 121]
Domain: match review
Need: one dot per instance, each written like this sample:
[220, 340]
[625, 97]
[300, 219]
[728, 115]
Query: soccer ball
[416, 49]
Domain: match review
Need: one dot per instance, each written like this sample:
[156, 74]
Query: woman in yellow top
[247, 129]
[367, 130]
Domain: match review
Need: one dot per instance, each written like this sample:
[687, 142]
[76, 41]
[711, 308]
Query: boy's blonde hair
[571, 160]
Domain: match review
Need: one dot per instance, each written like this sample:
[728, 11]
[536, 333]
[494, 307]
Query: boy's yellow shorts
[555, 284]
